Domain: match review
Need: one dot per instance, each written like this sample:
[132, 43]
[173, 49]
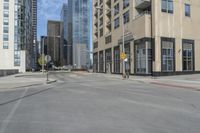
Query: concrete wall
[8, 72]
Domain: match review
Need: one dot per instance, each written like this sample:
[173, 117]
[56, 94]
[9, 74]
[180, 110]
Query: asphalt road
[80, 103]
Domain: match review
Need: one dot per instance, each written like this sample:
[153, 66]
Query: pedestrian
[127, 70]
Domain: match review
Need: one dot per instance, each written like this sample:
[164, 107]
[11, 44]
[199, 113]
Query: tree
[41, 60]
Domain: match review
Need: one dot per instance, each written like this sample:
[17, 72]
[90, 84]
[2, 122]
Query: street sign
[122, 56]
[126, 59]
[47, 58]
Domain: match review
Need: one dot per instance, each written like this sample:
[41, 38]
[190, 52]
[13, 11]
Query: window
[108, 60]
[116, 9]
[143, 57]
[95, 62]
[188, 54]
[5, 37]
[6, 6]
[101, 21]
[5, 14]
[187, 10]
[5, 29]
[5, 22]
[95, 45]
[116, 60]
[101, 61]
[167, 6]
[101, 32]
[125, 3]
[126, 17]
[168, 59]
[5, 45]
[100, 2]
[116, 23]
[101, 11]
[108, 39]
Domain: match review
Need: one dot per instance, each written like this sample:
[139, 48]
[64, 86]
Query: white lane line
[12, 112]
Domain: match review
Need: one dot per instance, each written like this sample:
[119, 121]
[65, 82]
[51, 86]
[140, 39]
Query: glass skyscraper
[79, 32]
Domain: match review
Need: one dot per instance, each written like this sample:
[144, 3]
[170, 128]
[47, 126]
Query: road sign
[47, 58]
[126, 59]
[122, 56]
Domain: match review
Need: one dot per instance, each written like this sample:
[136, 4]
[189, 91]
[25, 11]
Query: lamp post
[43, 41]
[123, 40]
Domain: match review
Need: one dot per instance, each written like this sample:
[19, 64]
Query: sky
[48, 10]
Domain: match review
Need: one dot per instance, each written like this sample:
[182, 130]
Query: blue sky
[50, 10]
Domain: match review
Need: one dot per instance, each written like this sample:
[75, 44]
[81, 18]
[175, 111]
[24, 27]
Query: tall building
[77, 30]
[16, 34]
[53, 41]
[66, 48]
[34, 31]
[159, 37]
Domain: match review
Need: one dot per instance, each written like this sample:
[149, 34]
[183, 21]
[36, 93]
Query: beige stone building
[160, 37]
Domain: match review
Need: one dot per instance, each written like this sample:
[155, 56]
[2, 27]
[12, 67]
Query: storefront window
[188, 56]
[167, 56]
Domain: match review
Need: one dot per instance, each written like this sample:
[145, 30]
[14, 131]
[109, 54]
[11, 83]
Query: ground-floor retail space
[146, 56]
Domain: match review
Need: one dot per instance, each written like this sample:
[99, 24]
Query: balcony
[96, 3]
[142, 25]
[96, 24]
[142, 4]
[96, 14]
[108, 2]
[108, 13]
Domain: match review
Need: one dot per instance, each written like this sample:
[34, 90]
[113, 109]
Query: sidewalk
[179, 81]
[23, 80]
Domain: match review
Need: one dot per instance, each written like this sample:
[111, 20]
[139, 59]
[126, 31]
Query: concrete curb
[20, 87]
[50, 82]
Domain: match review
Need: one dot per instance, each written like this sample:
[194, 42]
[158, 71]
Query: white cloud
[50, 9]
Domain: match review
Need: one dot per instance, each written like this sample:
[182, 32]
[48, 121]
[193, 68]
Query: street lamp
[43, 41]
[123, 30]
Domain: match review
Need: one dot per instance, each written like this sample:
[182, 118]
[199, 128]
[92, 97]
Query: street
[92, 103]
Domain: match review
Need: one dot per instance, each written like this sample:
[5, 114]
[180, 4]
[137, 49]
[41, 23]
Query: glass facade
[116, 60]
[23, 37]
[143, 58]
[81, 32]
[108, 60]
[101, 62]
[76, 20]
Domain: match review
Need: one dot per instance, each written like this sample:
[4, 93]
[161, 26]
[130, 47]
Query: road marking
[12, 112]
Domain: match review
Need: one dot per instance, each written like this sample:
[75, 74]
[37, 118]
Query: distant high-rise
[77, 27]
[66, 48]
[16, 34]
[53, 41]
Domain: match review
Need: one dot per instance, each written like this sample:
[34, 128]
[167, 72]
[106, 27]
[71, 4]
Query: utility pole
[43, 55]
[123, 49]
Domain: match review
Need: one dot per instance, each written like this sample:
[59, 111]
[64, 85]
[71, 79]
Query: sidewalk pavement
[23, 80]
[179, 81]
